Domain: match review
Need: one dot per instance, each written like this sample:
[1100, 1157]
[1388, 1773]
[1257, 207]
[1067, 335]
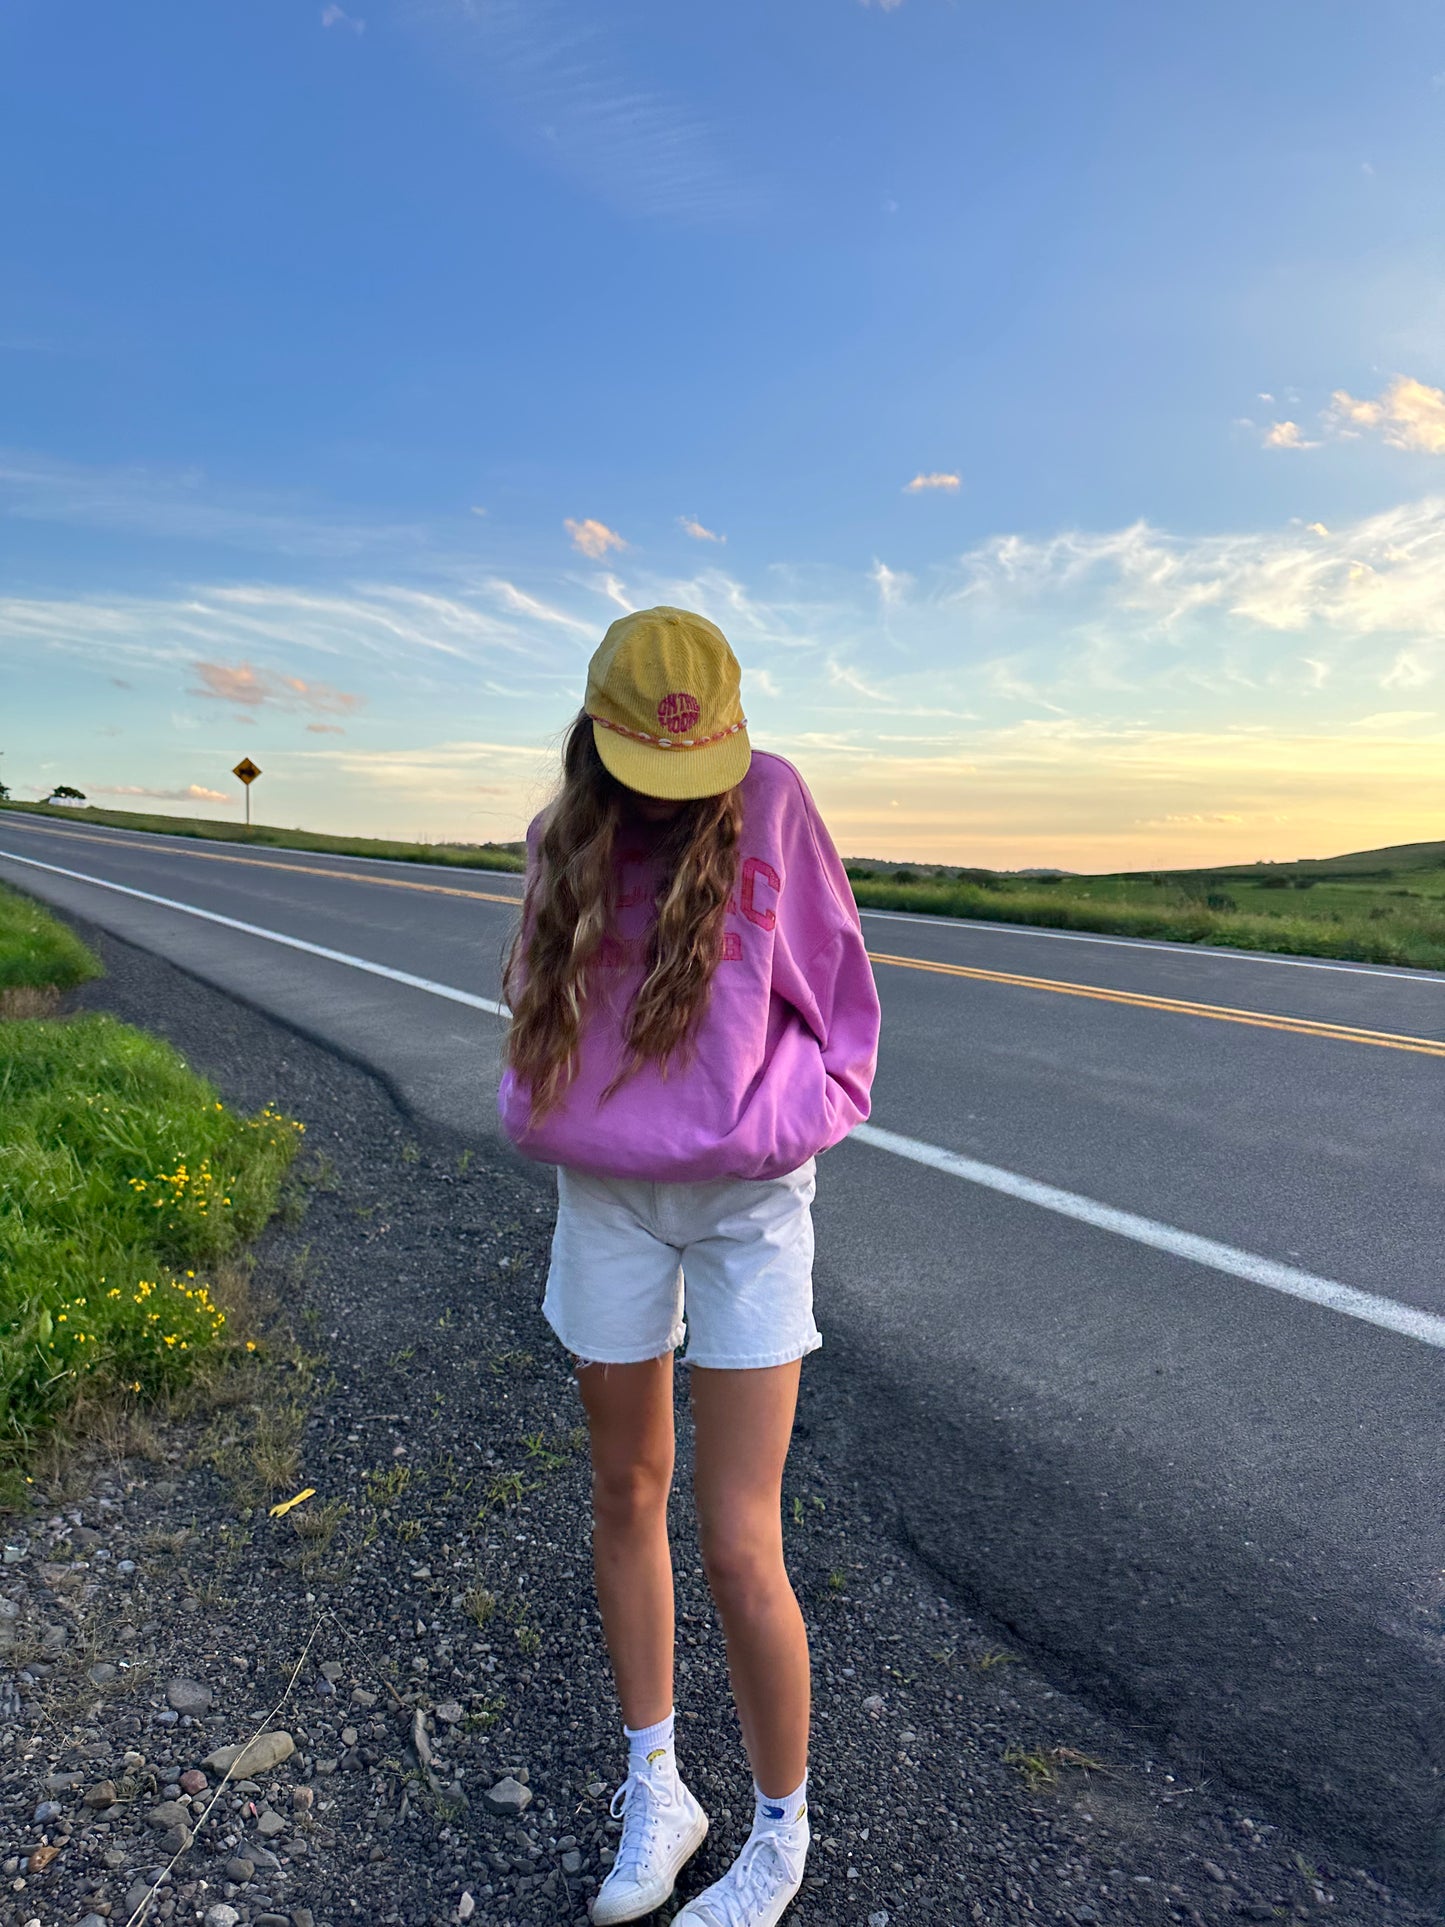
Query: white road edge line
[1384, 1312]
[272, 936]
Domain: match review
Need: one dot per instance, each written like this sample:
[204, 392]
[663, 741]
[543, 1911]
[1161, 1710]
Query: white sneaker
[758, 1888]
[662, 1828]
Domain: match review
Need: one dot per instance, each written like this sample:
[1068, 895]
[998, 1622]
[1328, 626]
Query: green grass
[36, 952]
[1375, 906]
[127, 1191]
[480, 856]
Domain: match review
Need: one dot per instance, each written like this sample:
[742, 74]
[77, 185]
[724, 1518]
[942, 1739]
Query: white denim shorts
[729, 1264]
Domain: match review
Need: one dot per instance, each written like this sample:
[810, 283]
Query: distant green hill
[1361, 863]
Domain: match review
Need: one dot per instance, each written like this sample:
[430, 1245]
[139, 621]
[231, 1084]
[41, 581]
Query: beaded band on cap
[668, 742]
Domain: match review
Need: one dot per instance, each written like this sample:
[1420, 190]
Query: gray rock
[170, 1813]
[260, 1755]
[271, 1920]
[270, 1824]
[332, 1670]
[47, 1811]
[451, 1712]
[466, 1907]
[175, 1840]
[102, 1673]
[194, 1782]
[360, 1697]
[572, 1862]
[240, 1870]
[507, 1796]
[221, 1915]
[1214, 1872]
[102, 1794]
[302, 1917]
[421, 1745]
[94, 1920]
[136, 1895]
[189, 1696]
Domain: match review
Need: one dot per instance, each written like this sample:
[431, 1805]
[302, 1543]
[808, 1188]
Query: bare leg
[744, 1424]
[629, 1412]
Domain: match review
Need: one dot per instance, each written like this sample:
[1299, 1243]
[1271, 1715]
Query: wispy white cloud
[1190, 819]
[192, 793]
[1286, 435]
[1394, 719]
[554, 71]
[883, 6]
[246, 687]
[1384, 573]
[524, 604]
[892, 584]
[334, 16]
[690, 525]
[1408, 415]
[593, 538]
[843, 675]
[938, 479]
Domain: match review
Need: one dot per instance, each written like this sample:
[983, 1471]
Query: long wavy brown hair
[570, 902]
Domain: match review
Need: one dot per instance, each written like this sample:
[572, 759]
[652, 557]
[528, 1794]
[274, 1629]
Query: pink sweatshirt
[787, 1047]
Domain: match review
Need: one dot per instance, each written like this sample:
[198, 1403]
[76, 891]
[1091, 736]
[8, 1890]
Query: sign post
[248, 772]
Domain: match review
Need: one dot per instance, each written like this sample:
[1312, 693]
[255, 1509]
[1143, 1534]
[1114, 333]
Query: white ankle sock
[651, 1746]
[776, 1816]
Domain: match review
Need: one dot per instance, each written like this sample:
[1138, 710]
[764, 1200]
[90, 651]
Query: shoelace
[752, 1880]
[639, 1821]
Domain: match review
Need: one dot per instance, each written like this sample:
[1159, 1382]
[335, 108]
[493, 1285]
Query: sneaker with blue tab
[662, 1828]
[759, 1887]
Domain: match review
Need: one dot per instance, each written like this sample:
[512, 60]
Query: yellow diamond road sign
[246, 770]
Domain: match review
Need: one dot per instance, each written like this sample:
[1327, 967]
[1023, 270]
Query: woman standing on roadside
[694, 1018]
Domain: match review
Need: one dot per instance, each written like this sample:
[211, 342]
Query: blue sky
[1046, 400]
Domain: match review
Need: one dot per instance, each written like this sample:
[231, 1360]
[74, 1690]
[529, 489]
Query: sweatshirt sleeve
[821, 966]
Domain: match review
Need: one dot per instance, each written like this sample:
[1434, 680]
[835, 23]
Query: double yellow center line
[1224, 1013]
[1141, 1000]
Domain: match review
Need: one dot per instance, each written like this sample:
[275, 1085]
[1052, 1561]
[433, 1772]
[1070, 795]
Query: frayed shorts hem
[760, 1363]
[589, 1355]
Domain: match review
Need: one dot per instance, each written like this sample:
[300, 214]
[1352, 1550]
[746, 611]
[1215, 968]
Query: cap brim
[675, 775]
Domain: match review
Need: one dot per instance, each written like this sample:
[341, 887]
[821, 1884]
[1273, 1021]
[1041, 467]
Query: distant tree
[4, 793]
[65, 790]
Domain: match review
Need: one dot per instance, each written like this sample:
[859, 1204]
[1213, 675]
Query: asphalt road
[1175, 1423]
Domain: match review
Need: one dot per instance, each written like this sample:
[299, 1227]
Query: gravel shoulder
[422, 1628]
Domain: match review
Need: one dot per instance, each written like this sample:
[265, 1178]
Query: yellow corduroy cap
[664, 692]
